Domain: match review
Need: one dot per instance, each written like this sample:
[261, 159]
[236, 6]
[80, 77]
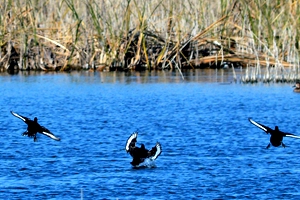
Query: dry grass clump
[157, 34]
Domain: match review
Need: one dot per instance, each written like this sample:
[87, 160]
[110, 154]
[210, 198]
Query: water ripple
[210, 150]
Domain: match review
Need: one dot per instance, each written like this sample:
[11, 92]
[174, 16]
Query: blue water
[210, 150]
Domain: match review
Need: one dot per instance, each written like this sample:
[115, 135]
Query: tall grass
[157, 34]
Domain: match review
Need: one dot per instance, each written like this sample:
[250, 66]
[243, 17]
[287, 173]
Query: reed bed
[260, 36]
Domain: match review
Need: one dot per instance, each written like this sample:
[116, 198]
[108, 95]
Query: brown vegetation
[159, 34]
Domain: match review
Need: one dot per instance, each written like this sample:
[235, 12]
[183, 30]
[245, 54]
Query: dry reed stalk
[123, 35]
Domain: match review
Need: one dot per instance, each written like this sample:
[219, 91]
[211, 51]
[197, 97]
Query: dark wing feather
[19, 116]
[291, 135]
[131, 141]
[48, 133]
[262, 127]
[156, 151]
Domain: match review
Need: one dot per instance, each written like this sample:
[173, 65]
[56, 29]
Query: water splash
[148, 163]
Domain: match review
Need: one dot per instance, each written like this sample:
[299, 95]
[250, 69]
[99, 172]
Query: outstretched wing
[291, 135]
[131, 141]
[156, 151]
[263, 127]
[19, 116]
[46, 132]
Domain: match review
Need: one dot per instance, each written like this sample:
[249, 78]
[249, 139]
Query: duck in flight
[34, 128]
[276, 135]
[139, 154]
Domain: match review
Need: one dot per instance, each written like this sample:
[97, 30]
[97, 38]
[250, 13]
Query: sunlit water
[210, 150]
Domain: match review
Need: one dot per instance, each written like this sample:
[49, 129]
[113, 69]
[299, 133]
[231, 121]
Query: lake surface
[210, 150]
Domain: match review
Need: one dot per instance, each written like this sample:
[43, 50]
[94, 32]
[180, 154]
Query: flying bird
[34, 128]
[276, 135]
[139, 154]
